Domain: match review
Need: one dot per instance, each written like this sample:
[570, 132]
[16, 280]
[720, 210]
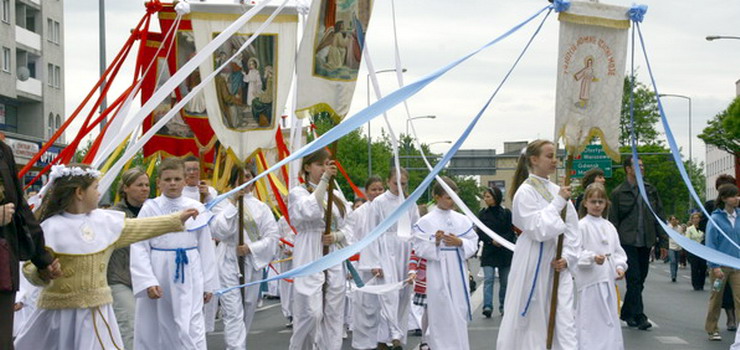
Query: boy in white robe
[198, 190]
[446, 239]
[318, 299]
[536, 210]
[260, 242]
[172, 275]
[601, 260]
[387, 259]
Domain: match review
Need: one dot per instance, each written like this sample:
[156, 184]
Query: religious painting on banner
[330, 56]
[591, 63]
[246, 99]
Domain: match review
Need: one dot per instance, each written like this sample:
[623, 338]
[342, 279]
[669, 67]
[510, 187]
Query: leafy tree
[723, 130]
[646, 115]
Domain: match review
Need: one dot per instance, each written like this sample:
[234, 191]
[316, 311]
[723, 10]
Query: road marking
[284, 331]
[477, 299]
[268, 307]
[672, 340]
[255, 332]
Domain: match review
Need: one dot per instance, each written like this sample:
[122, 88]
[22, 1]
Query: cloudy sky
[433, 33]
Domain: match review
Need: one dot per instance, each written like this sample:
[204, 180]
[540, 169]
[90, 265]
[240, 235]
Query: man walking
[638, 232]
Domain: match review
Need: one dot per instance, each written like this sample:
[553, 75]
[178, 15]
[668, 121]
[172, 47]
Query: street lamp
[369, 139]
[407, 147]
[688, 99]
[717, 37]
[437, 142]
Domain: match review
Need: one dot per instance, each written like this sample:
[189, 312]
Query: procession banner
[330, 56]
[591, 63]
[246, 99]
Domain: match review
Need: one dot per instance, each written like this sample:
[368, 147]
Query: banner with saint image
[330, 56]
[591, 63]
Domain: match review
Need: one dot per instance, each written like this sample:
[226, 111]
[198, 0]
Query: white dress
[448, 293]
[27, 295]
[597, 316]
[183, 265]
[527, 303]
[391, 254]
[318, 311]
[259, 224]
[286, 252]
[365, 309]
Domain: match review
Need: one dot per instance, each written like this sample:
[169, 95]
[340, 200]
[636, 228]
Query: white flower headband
[58, 171]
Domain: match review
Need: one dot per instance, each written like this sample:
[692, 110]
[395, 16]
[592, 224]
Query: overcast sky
[433, 33]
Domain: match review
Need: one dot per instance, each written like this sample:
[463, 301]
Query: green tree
[723, 130]
[646, 115]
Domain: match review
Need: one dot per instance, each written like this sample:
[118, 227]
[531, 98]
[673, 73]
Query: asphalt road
[675, 309]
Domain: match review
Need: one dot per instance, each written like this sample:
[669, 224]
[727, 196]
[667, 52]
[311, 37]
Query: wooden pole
[329, 201]
[558, 255]
[240, 259]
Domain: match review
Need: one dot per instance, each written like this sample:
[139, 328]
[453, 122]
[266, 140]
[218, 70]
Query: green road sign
[593, 156]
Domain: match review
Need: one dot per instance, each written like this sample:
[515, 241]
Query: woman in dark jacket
[498, 219]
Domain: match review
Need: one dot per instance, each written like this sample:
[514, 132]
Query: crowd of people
[142, 275]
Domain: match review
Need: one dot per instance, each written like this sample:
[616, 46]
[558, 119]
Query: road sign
[591, 157]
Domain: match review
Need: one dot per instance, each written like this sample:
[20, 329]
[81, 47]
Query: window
[49, 29]
[6, 59]
[57, 77]
[5, 9]
[50, 74]
[50, 125]
[57, 32]
[57, 122]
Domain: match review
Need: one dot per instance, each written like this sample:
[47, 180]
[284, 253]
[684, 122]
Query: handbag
[6, 278]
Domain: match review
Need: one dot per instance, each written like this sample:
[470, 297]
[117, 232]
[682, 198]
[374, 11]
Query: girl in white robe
[174, 275]
[446, 240]
[601, 260]
[318, 299]
[365, 308]
[536, 210]
[260, 242]
[387, 259]
[75, 311]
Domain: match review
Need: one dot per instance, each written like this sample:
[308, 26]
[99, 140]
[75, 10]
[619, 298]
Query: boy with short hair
[172, 275]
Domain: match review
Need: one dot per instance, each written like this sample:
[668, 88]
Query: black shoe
[644, 325]
[631, 321]
[487, 312]
[673, 279]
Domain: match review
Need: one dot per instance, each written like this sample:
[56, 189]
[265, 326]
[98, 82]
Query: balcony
[27, 38]
[32, 87]
[35, 2]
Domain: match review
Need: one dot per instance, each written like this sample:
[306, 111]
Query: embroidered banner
[330, 56]
[591, 63]
[246, 99]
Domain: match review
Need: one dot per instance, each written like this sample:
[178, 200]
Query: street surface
[675, 309]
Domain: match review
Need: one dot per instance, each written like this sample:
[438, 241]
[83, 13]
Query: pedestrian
[75, 311]
[260, 237]
[21, 238]
[365, 309]
[133, 191]
[536, 210]
[698, 265]
[318, 299]
[638, 232]
[589, 177]
[173, 275]
[724, 218]
[601, 261]
[673, 248]
[445, 239]
[387, 258]
[495, 256]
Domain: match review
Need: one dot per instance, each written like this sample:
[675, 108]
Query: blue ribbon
[692, 246]
[561, 5]
[372, 111]
[534, 281]
[637, 13]
[181, 259]
[394, 98]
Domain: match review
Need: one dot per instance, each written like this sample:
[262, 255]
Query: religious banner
[330, 56]
[591, 63]
[246, 99]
